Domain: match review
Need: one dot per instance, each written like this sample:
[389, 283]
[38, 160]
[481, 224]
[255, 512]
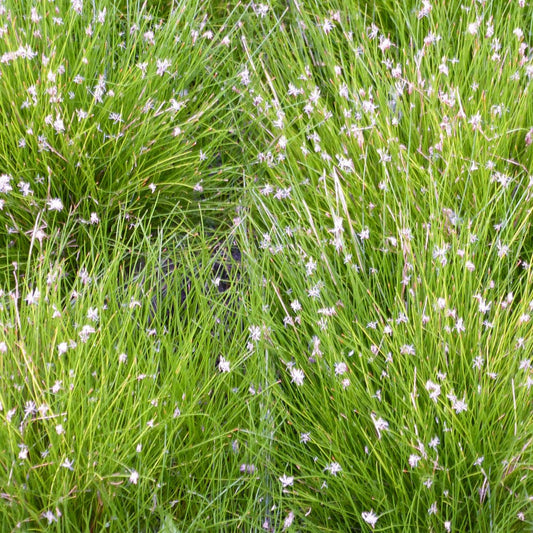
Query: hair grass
[289, 283]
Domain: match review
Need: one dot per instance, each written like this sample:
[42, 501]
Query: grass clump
[289, 285]
[109, 112]
[392, 193]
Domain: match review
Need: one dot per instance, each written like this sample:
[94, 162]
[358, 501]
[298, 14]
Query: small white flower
[288, 521]
[85, 332]
[296, 306]
[470, 266]
[62, 348]
[59, 125]
[23, 454]
[163, 66]
[67, 463]
[413, 460]
[333, 468]
[297, 376]
[255, 333]
[433, 389]
[305, 437]
[458, 405]
[55, 204]
[327, 26]
[434, 442]
[33, 297]
[286, 481]
[77, 6]
[340, 368]
[223, 365]
[379, 424]
[370, 518]
[245, 77]
[92, 314]
[134, 477]
[5, 186]
[101, 15]
[51, 517]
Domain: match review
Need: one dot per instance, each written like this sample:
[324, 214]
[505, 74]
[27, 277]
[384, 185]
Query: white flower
[473, 27]
[370, 518]
[33, 297]
[101, 15]
[297, 376]
[85, 332]
[286, 481]
[260, 10]
[296, 306]
[425, 10]
[55, 204]
[255, 333]
[59, 125]
[433, 389]
[413, 460]
[77, 6]
[479, 461]
[379, 424]
[340, 368]
[407, 349]
[288, 521]
[327, 26]
[434, 442]
[51, 517]
[149, 37]
[223, 365]
[62, 348]
[5, 187]
[134, 477]
[23, 454]
[305, 437]
[67, 463]
[245, 77]
[333, 468]
[365, 234]
[163, 66]
[458, 405]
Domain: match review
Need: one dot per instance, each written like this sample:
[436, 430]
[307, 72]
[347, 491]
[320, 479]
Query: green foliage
[284, 283]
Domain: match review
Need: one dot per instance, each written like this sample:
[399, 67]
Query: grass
[266, 267]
